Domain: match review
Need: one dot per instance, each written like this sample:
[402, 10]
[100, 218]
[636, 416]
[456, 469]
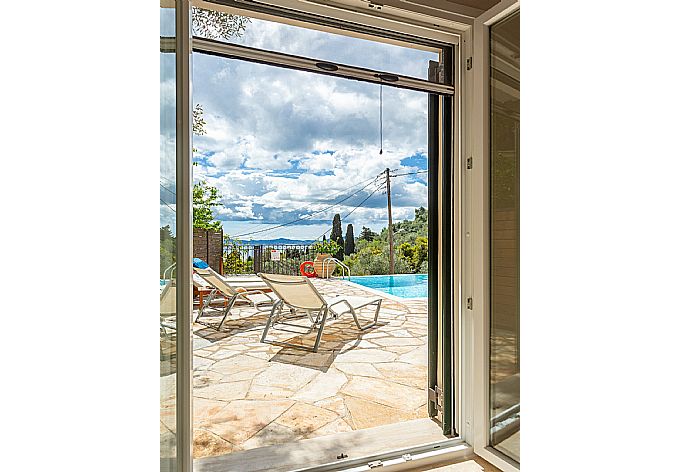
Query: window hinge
[436, 397]
[469, 303]
[469, 63]
[469, 162]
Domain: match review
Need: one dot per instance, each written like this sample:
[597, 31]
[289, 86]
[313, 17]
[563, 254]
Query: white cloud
[281, 143]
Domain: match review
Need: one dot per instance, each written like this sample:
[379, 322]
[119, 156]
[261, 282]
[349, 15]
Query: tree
[367, 234]
[373, 260]
[204, 198]
[213, 24]
[349, 240]
[371, 254]
[168, 248]
[337, 236]
[198, 122]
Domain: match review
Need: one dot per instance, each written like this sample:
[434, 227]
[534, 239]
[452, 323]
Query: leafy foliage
[367, 234]
[214, 24]
[198, 122]
[411, 251]
[373, 259]
[233, 262]
[204, 198]
[327, 247]
[415, 254]
[168, 249]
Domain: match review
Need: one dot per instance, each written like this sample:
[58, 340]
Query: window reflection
[314, 44]
[167, 274]
[505, 236]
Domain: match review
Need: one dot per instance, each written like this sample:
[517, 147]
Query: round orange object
[307, 269]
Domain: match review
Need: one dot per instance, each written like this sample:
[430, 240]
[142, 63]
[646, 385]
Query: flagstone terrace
[249, 394]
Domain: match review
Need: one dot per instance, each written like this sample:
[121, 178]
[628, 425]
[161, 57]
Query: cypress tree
[337, 236]
[349, 240]
[367, 234]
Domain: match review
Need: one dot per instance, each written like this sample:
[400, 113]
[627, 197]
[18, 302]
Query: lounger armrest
[257, 292]
[344, 300]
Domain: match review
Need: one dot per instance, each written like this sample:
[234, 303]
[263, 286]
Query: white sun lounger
[259, 299]
[298, 293]
[168, 309]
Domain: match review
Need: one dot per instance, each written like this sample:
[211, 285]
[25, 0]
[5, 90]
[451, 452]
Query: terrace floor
[249, 394]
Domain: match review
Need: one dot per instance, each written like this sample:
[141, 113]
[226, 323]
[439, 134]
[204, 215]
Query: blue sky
[281, 144]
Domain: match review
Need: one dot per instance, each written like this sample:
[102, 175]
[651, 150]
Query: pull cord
[381, 117]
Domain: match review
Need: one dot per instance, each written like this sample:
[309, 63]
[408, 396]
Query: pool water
[401, 285]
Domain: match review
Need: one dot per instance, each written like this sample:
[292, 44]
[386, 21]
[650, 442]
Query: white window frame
[471, 140]
[477, 265]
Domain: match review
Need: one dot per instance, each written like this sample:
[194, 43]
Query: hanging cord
[381, 117]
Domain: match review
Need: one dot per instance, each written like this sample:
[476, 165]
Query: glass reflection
[504, 367]
[167, 274]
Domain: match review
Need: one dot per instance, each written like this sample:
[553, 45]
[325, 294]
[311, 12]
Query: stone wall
[208, 245]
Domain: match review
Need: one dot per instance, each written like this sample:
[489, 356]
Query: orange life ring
[307, 269]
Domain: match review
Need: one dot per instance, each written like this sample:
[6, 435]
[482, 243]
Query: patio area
[249, 394]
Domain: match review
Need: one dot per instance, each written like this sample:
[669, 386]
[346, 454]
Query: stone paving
[249, 394]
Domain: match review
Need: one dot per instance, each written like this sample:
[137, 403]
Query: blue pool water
[402, 285]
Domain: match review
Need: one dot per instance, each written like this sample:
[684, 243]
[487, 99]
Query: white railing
[171, 269]
[326, 265]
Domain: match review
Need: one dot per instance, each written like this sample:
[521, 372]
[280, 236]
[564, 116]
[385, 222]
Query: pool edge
[395, 298]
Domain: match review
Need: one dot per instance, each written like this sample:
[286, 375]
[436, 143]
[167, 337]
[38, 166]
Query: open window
[246, 395]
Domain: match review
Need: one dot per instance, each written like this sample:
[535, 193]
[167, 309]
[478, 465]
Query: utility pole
[391, 269]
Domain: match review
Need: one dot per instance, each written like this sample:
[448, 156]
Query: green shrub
[327, 247]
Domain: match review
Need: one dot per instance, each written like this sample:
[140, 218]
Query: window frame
[477, 264]
[469, 218]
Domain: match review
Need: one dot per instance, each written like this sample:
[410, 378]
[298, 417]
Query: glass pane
[300, 41]
[505, 236]
[167, 246]
[295, 159]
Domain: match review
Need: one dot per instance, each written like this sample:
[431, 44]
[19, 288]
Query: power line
[334, 195]
[171, 181]
[166, 188]
[373, 181]
[303, 218]
[351, 211]
[171, 208]
[411, 173]
[307, 216]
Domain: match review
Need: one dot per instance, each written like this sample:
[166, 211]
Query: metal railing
[326, 265]
[282, 259]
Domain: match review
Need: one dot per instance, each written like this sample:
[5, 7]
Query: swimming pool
[401, 285]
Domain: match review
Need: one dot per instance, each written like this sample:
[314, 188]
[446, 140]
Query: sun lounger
[259, 299]
[168, 310]
[298, 293]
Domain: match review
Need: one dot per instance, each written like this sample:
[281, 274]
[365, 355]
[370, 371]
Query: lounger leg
[323, 313]
[204, 303]
[376, 316]
[227, 311]
[276, 306]
[311, 320]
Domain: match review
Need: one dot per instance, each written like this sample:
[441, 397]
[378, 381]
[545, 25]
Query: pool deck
[249, 394]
